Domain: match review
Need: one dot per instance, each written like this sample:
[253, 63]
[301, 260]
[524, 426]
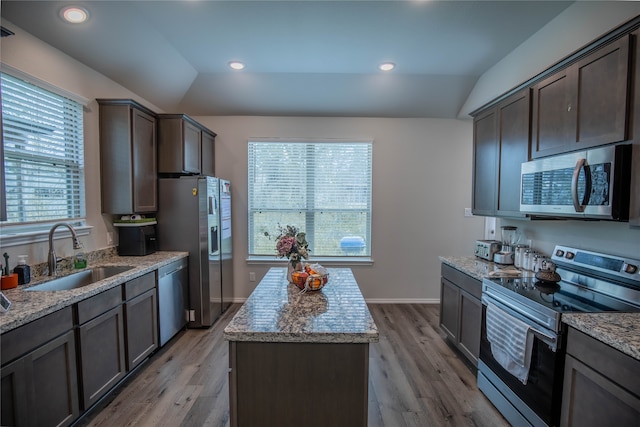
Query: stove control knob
[569, 255]
[631, 269]
[559, 252]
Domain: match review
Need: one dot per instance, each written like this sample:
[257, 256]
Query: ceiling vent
[5, 33]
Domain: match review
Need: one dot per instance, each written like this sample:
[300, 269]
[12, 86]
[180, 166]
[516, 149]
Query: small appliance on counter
[136, 238]
[485, 249]
[506, 255]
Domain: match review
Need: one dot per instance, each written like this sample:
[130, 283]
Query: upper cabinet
[584, 104]
[184, 146]
[128, 162]
[501, 144]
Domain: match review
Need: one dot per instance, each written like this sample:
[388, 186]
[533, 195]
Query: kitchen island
[301, 358]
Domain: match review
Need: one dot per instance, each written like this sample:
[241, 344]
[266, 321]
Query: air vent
[5, 33]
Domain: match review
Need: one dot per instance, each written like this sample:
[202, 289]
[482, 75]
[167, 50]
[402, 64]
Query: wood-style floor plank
[415, 379]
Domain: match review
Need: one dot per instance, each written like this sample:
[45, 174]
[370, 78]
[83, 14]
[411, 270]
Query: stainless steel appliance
[485, 249]
[173, 284]
[195, 216]
[587, 184]
[591, 282]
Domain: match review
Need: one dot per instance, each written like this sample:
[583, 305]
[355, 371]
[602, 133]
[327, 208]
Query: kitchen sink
[80, 279]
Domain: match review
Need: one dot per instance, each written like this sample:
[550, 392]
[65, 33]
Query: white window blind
[322, 188]
[43, 154]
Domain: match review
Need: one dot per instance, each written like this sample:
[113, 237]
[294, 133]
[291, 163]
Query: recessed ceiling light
[387, 66]
[236, 65]
[74, 14]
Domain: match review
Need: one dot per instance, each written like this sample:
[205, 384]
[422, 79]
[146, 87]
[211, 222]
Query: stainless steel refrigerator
[194, 215]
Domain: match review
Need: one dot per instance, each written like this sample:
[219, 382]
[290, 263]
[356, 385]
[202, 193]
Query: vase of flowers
[292, 244]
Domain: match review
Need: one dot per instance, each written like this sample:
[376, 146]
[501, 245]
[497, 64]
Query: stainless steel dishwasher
[173, 282]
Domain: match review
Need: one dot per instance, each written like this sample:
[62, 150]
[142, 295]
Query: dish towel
[511, 342]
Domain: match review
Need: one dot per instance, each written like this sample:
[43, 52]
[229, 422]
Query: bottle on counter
[22, 270]
[79, 261]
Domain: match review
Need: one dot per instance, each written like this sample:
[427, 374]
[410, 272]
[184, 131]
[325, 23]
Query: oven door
[537, 402]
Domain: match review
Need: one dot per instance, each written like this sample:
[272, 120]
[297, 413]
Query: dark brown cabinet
[185, 146]
[128, 153]
[514, 134]
[141, 318]
[501, 144]
[461, 311]
[583, 105]
[600, 384]
[101, 344]
[39, 378]
[485, 166]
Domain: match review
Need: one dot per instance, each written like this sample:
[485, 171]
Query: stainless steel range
[522, 347]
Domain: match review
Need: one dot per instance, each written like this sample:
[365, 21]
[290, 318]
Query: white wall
[38, 59]
[421, 185]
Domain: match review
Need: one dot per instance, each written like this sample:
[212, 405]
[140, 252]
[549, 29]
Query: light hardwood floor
[415, 379]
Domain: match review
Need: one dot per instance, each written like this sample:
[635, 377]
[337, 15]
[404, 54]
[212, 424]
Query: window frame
[13, 234]
[329, 259]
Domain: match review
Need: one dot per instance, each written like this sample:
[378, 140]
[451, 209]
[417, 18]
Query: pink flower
[285, 246]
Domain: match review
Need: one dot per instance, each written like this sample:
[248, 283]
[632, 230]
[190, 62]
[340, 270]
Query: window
[43, 154]
[322, 188]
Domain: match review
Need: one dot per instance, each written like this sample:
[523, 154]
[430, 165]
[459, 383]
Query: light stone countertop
[618, 330]
[276, 311]
[27, 306]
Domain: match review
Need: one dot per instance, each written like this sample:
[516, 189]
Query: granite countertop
[277, 311]
[27, 306]
[479, 268]
[618, 330]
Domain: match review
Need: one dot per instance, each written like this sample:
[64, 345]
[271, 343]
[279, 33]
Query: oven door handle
[551, 341]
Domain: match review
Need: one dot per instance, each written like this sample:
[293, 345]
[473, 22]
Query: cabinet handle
[579, 207]
[569, 107]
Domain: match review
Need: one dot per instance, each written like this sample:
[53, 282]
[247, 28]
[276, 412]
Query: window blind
[43, 154]
[322, 188]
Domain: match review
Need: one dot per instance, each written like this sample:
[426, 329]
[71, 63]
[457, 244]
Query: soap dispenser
[22, 270]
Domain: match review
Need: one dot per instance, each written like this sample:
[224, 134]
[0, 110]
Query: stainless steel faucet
[53, 259]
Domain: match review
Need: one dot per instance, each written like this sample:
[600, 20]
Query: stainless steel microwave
[586, 184]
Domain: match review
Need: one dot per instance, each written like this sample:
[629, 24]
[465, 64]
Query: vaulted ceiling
[303, 58]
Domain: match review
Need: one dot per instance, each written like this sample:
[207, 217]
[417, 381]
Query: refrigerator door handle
[210, 205]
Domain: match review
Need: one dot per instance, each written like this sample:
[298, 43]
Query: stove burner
[545, 287]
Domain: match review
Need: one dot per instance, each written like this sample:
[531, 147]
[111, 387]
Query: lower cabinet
[600, 384]
[461, 311]
[39, 388]
[101, 343]
[141, 319]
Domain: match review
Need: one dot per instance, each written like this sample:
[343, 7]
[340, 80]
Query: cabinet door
[591, 399]
[191, 147]
[101, 354]
[485, 167]
[554, 118]
[145, 182]
[13, 397]
[470, 321]
[514, 116]
[142, 327]
[208, 154]
[40, 389]
[449, 308]
[54, 383]
[602, 85]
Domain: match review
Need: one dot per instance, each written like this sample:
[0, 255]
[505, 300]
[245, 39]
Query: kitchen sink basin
[80, 279]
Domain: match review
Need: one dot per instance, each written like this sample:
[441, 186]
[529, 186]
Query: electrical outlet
[252, 276]
[109, 237]
[468, 213]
